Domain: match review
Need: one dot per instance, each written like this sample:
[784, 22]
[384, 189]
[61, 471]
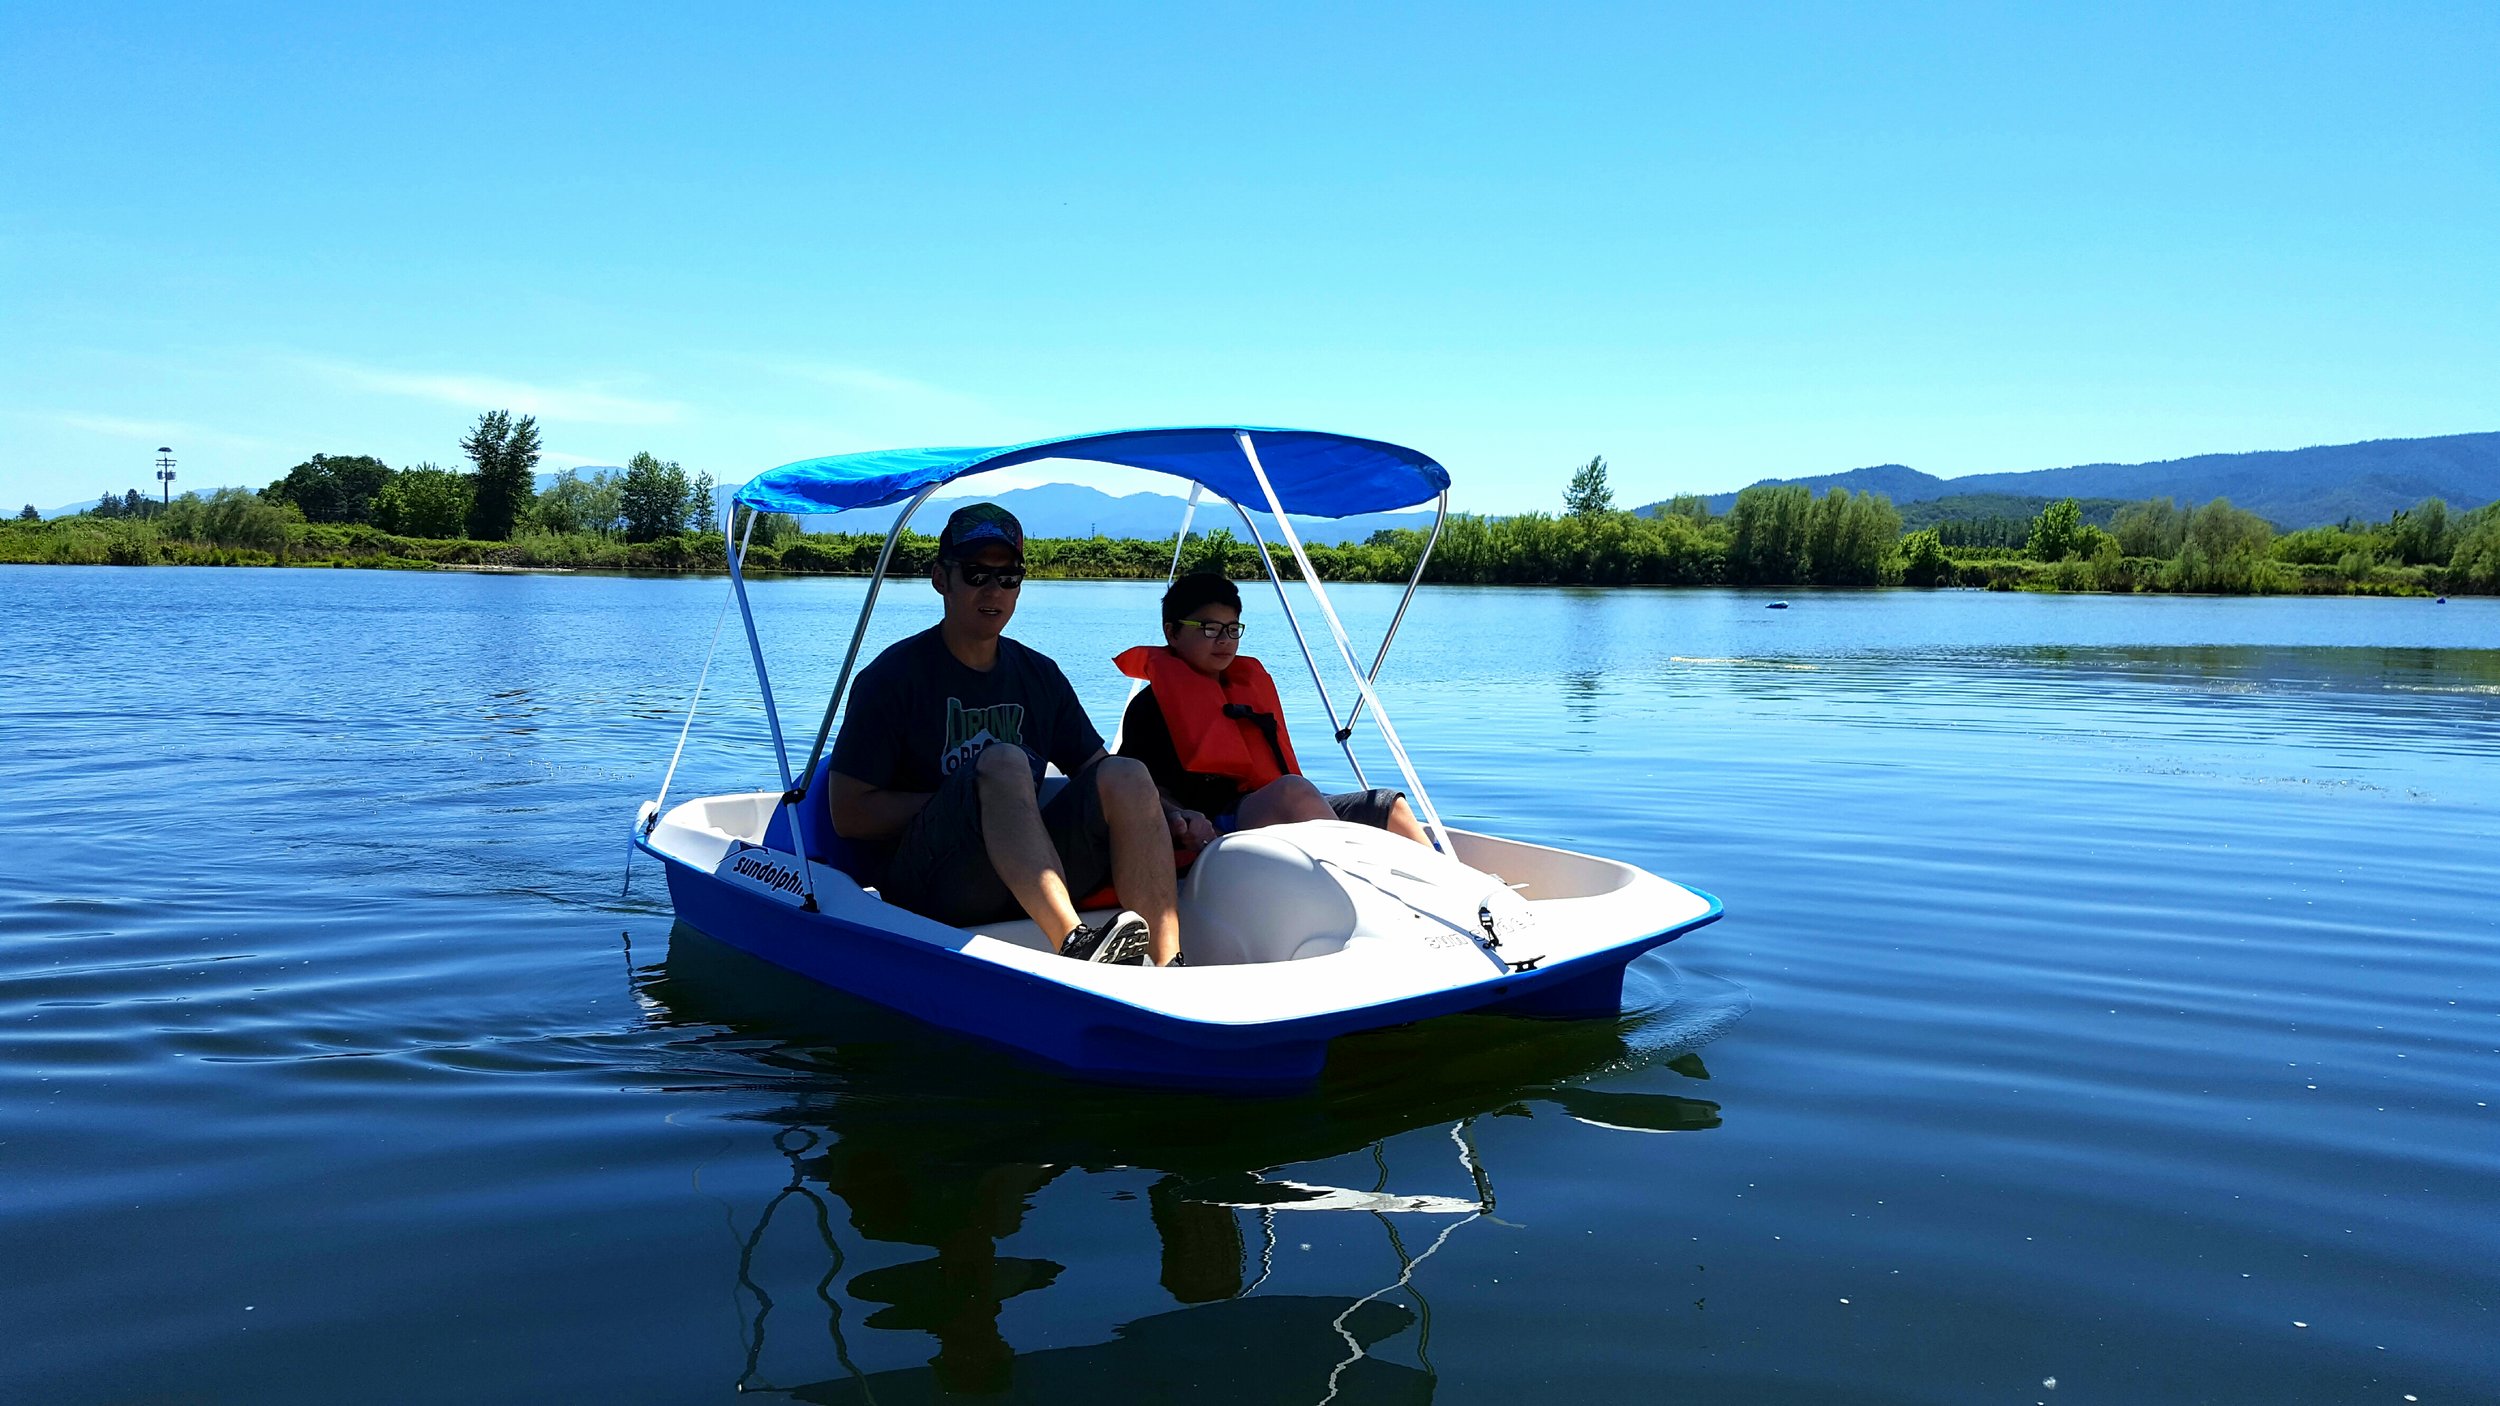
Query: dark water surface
[2110, 994]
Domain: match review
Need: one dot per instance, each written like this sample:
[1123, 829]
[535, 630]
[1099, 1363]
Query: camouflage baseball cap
[976, 523]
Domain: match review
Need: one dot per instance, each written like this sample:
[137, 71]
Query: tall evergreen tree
[506, 455]
[700, 505]
[1588, 495]
[28, 514]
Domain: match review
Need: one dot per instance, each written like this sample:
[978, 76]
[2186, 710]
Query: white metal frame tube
[859, 631]
[1440, 513]
[1344, 733]
[794, 792]
[1187, 513]
[772, 713]
[755, 646]
[1345, 648]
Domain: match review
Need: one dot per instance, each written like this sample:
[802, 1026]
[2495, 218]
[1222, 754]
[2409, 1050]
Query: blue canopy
[1315, 474]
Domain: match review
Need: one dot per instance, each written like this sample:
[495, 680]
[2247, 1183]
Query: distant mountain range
[2294, 488]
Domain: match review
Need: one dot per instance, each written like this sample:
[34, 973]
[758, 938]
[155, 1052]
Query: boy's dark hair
[1199, 588]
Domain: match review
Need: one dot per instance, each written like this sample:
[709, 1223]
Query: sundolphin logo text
[767, 873]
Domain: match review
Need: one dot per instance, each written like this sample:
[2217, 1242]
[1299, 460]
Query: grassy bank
[1830, 541]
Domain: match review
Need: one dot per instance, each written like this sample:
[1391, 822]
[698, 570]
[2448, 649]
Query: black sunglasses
[1006, 578]
[1216, 630]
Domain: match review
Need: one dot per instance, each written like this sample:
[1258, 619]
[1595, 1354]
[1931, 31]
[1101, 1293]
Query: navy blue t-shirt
[917, 713]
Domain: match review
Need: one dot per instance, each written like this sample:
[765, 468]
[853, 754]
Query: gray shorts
[1370, 807]
[941, 866]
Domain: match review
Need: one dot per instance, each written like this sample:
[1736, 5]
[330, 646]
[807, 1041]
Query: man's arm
[865, 812]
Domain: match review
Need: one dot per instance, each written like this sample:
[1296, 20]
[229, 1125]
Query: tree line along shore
[355, 511]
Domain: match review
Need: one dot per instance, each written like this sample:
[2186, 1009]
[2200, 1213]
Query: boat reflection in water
[928, 1141]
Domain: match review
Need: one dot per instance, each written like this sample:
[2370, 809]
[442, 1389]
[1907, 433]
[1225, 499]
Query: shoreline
[2344, 590]
[1598, 550]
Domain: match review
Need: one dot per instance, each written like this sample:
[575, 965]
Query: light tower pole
[165, 473]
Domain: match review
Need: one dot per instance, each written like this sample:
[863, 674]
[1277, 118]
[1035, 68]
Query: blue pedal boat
[1293, 934]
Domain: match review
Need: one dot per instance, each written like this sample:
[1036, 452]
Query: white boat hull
[1293, 935]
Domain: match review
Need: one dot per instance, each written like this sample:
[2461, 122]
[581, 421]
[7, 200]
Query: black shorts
[941, 866]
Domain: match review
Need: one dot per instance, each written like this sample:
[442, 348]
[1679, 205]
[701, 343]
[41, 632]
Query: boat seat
[863, 860]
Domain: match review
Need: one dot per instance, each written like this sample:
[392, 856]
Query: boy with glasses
[1209, 728]
[941, 752]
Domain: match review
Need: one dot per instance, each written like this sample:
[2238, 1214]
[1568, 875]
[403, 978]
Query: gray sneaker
[1122, 941]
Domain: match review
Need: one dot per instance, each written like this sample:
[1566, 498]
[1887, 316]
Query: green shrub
[1923, 560]
[2321, 546]
[2474, 563]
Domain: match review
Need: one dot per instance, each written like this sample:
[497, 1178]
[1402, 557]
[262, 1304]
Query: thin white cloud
[865, 381]
[860, 380]
[574, 403]
[873, 401]
[174, 432]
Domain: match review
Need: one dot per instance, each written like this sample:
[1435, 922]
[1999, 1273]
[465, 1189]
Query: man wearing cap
[941, 752]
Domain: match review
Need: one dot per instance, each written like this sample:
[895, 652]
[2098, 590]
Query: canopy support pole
[1345, 650]
[755, 646]
[1344, 734]
[859, 632]
[1191, 511]
[1440, 512]
[772, 714]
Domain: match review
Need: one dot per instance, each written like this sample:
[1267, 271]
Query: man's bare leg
[1019, 848]
[1141, 850]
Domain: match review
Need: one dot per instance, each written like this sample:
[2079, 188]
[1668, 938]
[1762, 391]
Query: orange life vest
[1218, 728]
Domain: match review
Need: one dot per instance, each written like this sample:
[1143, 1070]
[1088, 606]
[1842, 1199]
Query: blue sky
[1713, 244]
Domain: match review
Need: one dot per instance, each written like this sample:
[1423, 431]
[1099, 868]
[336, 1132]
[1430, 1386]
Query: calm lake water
[2109, 996]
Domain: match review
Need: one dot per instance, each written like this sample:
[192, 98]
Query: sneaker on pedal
[1119, 941]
